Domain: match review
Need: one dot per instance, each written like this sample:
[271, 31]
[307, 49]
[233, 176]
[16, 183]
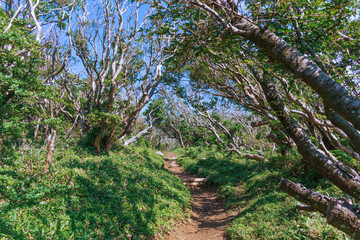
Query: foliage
[346, 159]
[20, 86]
[126, 50]
[122, 195]
[325, 30]
[167, 118]
[250, 187]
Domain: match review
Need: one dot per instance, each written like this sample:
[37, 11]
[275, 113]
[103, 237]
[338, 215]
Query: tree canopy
[253, 78]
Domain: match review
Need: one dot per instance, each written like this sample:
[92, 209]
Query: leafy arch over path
[230, 20]
[334, 95]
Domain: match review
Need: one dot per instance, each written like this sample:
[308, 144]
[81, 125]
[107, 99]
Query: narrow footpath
[208, 215]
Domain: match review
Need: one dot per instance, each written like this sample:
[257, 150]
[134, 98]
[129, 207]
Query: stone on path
[160, 153]
[174, 164]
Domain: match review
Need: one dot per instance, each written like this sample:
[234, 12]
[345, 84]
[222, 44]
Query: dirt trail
[208, 216]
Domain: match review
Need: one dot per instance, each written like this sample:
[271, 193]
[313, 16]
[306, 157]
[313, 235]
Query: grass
[251, 188]
[128, 194]
[123, 195]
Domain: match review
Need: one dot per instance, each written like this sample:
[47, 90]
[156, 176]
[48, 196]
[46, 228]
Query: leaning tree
[296, 57]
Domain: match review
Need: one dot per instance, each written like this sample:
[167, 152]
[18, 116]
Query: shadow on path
[208, 216]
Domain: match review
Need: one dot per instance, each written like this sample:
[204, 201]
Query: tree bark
[344, 125]
[333, 94]
[137, 136]
[339, 174]
[37, 128]
[260, 123]
[108, 142]
[98, 139]
[179, 136]
[50, 149]
[246, 155]
[338, 212]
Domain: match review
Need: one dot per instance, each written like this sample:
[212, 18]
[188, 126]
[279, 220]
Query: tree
[272, 62]
[26, 76]
[172, 117]
[19, 82]
[302, 67]
[122, 59]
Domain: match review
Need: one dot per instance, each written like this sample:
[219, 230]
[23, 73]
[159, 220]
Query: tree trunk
[137, 136]
[129, 124]
[50, 149]
[46, 134]
[338, 212]
[334, 95]
[178, 134]
[246, 155]
[339, 174]
[37, 128]
[249, 155]
[108, 144]
[108, 140]
[347, 127]
[181, 141]
[98, 140]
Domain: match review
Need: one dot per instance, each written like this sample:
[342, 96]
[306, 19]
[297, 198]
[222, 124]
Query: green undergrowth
[126, 194]
[251, 188]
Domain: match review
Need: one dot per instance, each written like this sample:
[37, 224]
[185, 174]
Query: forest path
[208, 216]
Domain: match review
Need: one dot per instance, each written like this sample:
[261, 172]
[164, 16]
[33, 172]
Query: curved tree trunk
[338, 212]
[347, 127]
[246, 155]
[137, 136]
[339, 174]
[333, 94]
[178, 134]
